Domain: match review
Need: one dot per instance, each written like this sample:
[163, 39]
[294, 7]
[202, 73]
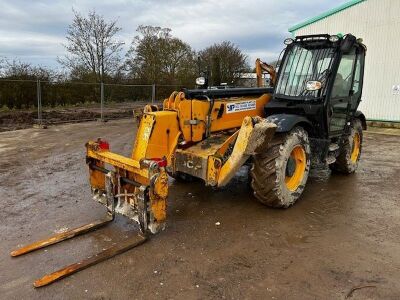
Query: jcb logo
[230, 107]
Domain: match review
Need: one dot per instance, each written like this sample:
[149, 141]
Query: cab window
[357, 76]
[342, 84]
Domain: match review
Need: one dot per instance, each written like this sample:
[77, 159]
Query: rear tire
[279, 175]
[350, 150]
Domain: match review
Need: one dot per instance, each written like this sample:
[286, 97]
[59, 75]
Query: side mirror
[348, 43]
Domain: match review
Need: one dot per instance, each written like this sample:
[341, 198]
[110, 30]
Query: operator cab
[320, 79]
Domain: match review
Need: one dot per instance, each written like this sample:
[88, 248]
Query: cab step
[333, 147]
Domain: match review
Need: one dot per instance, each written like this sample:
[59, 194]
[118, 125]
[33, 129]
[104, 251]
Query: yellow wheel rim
[298, 161]
[355, 152]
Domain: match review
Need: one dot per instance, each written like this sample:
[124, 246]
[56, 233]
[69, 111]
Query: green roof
[325, 15]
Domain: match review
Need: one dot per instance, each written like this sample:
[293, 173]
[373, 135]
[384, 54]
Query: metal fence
[57, 102]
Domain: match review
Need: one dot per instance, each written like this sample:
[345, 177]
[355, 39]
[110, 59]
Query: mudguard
[286, 122]
[359, 115]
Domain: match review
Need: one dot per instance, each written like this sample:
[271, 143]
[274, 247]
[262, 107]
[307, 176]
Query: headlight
[313, 85]
[288, 41]
[200, 80]
[333, 38]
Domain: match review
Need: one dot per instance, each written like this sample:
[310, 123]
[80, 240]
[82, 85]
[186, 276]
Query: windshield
[302, 65]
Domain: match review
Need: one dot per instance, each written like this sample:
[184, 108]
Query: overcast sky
[33, 31]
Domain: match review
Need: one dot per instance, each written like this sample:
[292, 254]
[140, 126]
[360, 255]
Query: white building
[377, 22]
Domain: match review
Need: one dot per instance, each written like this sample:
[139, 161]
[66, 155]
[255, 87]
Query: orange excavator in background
[261, 69]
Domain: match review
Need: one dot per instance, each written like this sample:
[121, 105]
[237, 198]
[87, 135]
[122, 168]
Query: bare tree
[2, 66]
[92, 46]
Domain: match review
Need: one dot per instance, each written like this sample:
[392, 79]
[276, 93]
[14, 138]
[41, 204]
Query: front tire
[350, 150]
[279, 175]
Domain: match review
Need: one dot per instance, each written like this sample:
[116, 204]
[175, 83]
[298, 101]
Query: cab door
[342, 94]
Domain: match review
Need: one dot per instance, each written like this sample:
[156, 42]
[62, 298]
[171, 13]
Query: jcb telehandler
[310, 113]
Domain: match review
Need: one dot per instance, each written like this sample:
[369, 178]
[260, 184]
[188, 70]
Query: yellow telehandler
[209, 133]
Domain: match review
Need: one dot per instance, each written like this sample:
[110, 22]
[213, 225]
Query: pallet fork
[92, 260]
